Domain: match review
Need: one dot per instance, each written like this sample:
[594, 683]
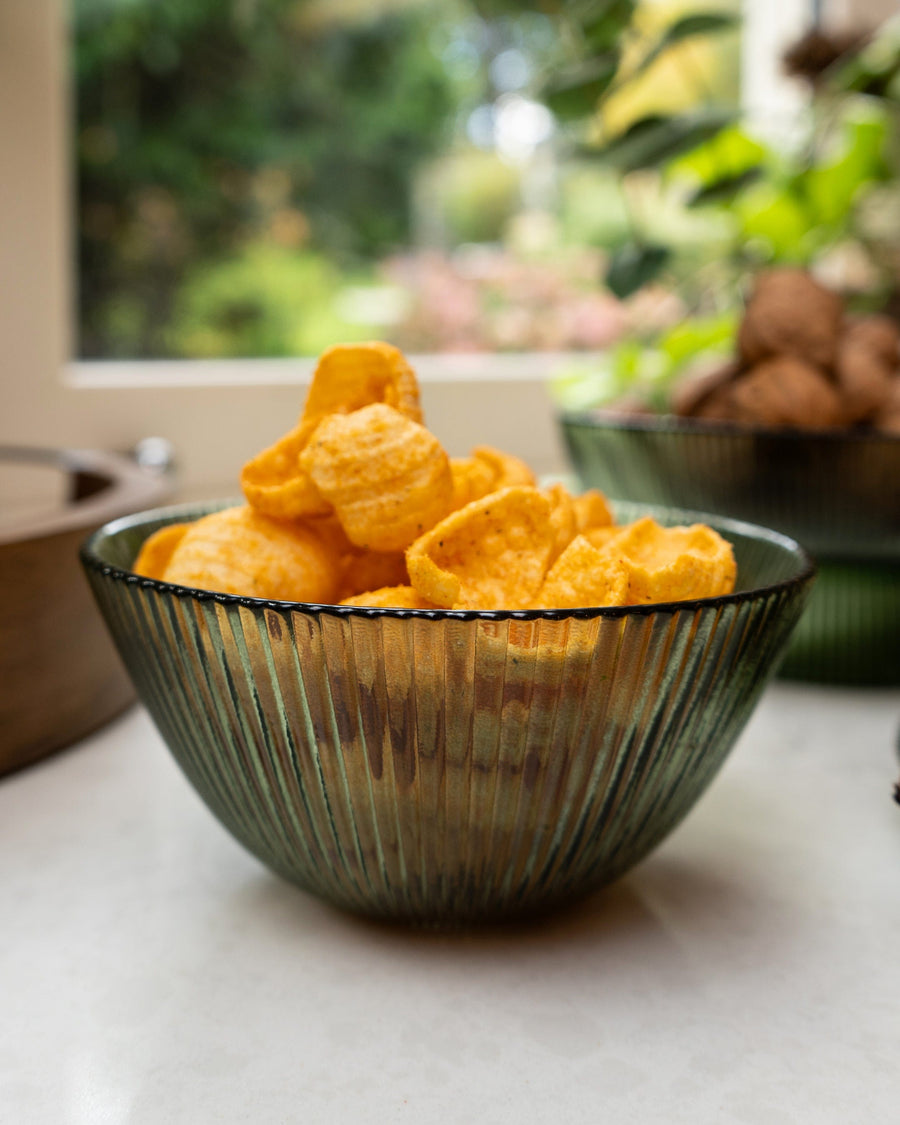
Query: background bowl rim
[599, 418]
[125, 486]
[93, 562]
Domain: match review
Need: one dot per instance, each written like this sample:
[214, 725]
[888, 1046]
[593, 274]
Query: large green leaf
[729, 153]
[831, 189]
[773, 215]
[725, 189]
[873, 69]
[602, 22]
[576, 93]
[653, 141]
[688, 27]
[632, 266]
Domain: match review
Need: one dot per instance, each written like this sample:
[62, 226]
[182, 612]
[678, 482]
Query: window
[262, 178]
[214, 411]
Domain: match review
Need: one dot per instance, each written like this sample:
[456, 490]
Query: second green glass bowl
[837, 492]
[448, 767]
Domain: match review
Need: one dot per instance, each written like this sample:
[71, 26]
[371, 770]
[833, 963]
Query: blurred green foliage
[476, 194]
[645, 370]
[263, 301]
[206, 125]
[766, 203]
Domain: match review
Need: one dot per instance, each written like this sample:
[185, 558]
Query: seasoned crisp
[274, 484]
[492, 554]
[347, 377]
[351, 376]
[592, 511]
[387, 478]
[673, 563]
[391, 597]
[240, 551]
[156, 551]
[563, 517]
[372, 570]
[584, 575]
[473, 478]
[508, 471]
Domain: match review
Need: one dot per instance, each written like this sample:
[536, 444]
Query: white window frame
[216, 414]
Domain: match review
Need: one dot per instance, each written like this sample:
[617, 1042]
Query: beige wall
[34, 316]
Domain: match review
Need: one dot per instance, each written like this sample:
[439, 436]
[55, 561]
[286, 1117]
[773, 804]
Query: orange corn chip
[472, 479]
[372, 570]
[562, 517]
[673, 563]
[583, 575]
[274, 483]
[396, 597]
[600, 536]
[592, 510]
[155, 552]
[351, 376]
[508, 471]
[329, 530]
[347, 377]
[387, 477]
[492, 554]
[239, 551]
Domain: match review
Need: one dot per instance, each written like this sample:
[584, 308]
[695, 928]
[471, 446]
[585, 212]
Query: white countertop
[749, 971]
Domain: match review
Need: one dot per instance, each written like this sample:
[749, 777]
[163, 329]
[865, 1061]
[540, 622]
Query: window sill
[450, 368]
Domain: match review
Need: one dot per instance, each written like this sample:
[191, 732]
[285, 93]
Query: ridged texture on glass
[850, 632]
[447, 768]
[837, 493]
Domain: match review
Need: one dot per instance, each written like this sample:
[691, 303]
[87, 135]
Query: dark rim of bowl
[806, 571]
[675, 424]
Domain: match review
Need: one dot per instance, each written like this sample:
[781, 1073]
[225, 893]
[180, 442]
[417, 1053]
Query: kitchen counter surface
[748, 971]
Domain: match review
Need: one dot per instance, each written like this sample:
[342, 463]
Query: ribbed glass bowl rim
[674, 424]
[806, 569]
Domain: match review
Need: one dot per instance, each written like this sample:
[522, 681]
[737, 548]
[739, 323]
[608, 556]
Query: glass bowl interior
[764, 558]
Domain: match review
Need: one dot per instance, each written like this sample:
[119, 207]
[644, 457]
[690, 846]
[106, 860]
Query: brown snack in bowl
[863, 377]
[703, 389]
[790, 314]
[717, 406]
[786, 391]
[880, 334]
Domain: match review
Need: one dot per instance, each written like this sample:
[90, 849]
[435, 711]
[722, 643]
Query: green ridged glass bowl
[837, 492]
[448, 767]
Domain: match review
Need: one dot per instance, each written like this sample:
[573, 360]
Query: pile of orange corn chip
[360, 505]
